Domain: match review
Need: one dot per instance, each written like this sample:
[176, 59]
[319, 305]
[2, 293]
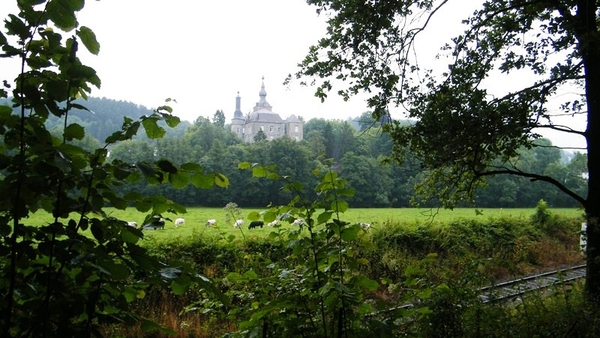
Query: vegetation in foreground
[314, 280]
[435, 265]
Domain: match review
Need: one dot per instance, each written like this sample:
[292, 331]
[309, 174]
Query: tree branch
[533, 178]
[564, 129]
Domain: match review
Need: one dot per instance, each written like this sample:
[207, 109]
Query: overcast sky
[202, 53]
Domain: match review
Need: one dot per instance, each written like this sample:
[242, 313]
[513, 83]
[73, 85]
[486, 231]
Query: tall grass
[472, 249]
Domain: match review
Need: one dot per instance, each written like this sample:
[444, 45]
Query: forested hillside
[104, 116]
[357, 155]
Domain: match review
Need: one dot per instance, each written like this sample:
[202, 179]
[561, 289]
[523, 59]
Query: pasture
[196, 217]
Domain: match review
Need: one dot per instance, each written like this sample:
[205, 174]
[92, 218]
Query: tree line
[358, 149]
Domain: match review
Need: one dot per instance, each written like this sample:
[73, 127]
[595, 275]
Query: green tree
[461, 127]
[316, 143]
[369, 178]
[366, 121]
[219, 119]
[260, 136]
[82, 268]
[329, 137]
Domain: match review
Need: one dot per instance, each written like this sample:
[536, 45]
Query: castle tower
[237, 123]
[262, 104]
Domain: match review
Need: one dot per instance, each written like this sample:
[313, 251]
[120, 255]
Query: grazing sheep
[132, 224]
[211, 223]
[157, 223]
[256, 224]
[365, 226]
[179, 221]
[238, 223]
[272, 224]
[298, 222]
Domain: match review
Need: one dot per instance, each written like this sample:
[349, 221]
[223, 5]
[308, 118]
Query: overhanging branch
[534, 177]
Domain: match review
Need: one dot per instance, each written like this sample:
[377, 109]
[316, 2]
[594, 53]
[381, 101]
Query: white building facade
[263, 118]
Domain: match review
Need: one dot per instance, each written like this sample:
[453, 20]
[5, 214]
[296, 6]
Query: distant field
[195, 218]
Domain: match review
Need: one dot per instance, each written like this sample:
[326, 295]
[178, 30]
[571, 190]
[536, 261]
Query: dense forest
[357, 147]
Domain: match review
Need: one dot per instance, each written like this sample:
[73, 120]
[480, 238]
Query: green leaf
[130, 294]
[166, 166]
[115, 270]
[253, 216]
[221, 180]
[350, 233]
[233, 276]
[151, 175]
[97, 232]
[324, 217]
[190, 166]
[250, 274]
[364, 309]
[269, 216]
[153, 130]
[62, 13]
[259, 172]
[244, 165]
[181, 285]
[339, 206]
[88, 38]
[203, 181]
[16, 26]
[130, 235]
[179, 180]
[172, 121]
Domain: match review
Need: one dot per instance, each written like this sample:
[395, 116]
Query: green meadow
[195, 218]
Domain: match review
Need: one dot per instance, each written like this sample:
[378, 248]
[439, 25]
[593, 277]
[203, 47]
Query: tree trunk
[589, 45]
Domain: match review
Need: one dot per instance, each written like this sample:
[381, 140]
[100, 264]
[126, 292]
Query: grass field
[196, 217]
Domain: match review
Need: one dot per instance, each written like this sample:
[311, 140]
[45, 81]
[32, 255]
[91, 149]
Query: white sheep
[179, 221]
[298, 222]
[211, 223]
[238, 223]
[365, 226]
[272, 224]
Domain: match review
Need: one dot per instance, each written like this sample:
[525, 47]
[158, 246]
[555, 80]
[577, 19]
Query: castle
[263, 118]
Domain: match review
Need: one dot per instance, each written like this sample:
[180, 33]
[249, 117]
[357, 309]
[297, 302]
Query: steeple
[238, 112]
[262, 103]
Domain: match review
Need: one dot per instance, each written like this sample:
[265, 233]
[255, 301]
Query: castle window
[296, 128]
[262, 128]
[271, 128]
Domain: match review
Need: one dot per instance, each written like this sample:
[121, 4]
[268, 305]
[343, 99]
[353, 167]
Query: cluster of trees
[358, 147]
[61, 282]
[540, 51]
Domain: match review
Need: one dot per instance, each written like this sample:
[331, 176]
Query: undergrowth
[441, 263]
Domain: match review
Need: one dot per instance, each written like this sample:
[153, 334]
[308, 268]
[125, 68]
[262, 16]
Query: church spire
[262, 103]
[238, 112]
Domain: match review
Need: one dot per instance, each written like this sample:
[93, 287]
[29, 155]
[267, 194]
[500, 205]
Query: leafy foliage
[82, 267]
[465, 131]
[317, 290]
